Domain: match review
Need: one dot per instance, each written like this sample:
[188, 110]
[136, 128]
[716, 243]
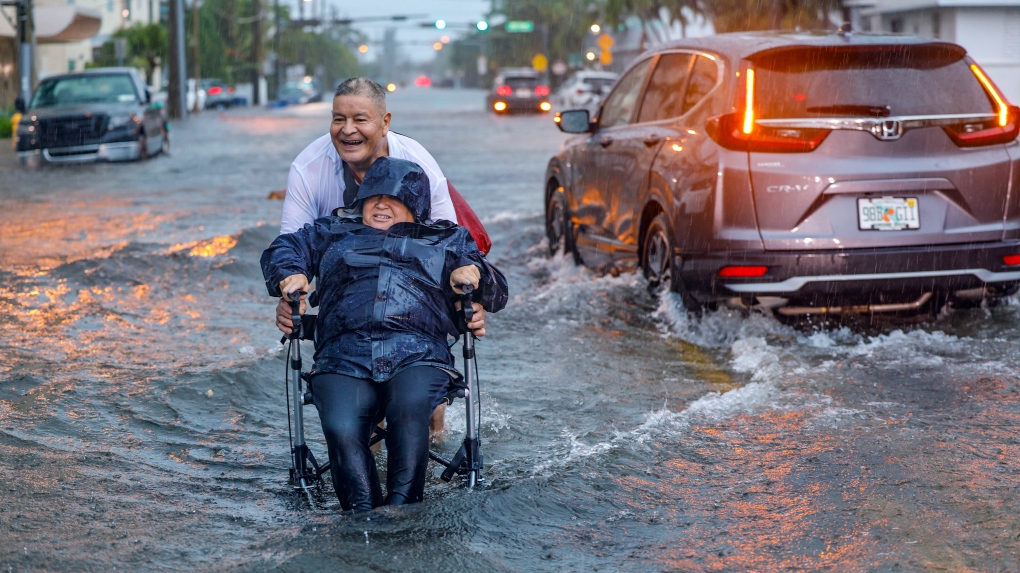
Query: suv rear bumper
[851, 275]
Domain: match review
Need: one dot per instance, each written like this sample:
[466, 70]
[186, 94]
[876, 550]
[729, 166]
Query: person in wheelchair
[387, 277]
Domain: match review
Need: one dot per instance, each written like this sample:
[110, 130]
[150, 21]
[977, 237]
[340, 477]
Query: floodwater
[143, 421]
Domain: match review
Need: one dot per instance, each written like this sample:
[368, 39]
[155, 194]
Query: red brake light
[742, 271]
[215, 90]
[727, 131]
[1011, 260]
[505, 91]
[738, 131]
[230, 90]
[988, 132]
[542, 91]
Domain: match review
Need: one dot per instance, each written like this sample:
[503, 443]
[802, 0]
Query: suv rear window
[866, 82]
[599, 83]
[516, 82]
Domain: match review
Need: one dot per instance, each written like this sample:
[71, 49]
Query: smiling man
[327, 174]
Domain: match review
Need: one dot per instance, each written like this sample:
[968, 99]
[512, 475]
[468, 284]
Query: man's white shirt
[315, 185]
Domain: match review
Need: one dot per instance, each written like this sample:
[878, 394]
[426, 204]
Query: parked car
[290, 94]
[218, 94]
[100, 114]
[518, 89]
[804, 172]
[586, 88]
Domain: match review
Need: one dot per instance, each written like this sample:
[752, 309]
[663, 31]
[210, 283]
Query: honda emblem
[888, 130]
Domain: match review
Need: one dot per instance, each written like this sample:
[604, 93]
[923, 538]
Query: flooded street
[143, 420]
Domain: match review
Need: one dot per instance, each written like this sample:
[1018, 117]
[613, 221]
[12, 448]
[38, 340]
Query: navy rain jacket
[385, 297]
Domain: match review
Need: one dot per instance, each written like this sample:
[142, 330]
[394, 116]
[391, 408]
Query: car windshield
[517, 82]
[866, 82]
[112, 88]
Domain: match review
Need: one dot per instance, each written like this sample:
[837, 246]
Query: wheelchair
[305, 471]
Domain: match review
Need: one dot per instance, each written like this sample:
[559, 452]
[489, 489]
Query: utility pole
[256, 52]
[177, 85]
[276, 47]
[24, 15]
[198, 67]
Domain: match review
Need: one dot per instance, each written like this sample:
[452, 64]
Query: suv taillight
[542, 91]
[504, 91]
[1002, 129]
[738, 131]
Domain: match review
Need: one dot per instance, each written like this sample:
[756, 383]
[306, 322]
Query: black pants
[351, 407]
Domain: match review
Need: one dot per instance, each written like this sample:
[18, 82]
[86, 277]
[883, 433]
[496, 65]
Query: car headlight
[119, 121]
[26, 127]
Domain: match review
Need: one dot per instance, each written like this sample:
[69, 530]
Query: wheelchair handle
[294, 299]
[465, 302]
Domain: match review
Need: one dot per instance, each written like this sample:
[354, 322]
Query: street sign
[540, 63]
[520, 26]
[605, 42]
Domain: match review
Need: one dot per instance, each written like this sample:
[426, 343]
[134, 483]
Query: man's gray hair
[364, 87]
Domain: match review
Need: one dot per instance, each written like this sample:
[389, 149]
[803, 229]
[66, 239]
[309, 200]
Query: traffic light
[440, 24]
[482, 25]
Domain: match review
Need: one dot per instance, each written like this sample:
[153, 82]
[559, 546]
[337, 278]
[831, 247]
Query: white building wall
[992, 37]
[58, 58]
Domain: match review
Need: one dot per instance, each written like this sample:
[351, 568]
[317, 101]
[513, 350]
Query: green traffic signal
[482, 25]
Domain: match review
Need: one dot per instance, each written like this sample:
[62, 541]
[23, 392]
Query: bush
[5, 126]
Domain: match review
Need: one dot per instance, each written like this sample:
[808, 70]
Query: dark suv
[804, 172]
[518, 90]
[104, 114]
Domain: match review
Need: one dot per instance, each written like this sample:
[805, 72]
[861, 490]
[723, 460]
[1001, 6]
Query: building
[988, 29]
[66, 33]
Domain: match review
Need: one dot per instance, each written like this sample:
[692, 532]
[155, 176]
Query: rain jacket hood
[401, 179]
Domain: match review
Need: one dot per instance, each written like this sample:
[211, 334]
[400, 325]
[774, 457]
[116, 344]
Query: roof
[743, 44]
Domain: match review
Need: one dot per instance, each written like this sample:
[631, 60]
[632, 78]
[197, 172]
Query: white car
[586, 88]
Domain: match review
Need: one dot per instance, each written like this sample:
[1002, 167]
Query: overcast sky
[416, 41]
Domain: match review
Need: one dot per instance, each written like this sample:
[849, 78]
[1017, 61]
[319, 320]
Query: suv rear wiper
[866, 110]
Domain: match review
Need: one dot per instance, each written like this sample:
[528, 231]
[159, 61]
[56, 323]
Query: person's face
[383, 211]
[358, 130]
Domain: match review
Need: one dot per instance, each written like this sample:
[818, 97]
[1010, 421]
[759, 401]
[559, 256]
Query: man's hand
[464, 275]
[287, 286]
[293, 283]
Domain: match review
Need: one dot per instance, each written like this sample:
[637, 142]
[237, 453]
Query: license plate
[523, 92]
[887, 214]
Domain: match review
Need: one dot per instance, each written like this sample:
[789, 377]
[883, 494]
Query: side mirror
[573, 121]
[19, 105]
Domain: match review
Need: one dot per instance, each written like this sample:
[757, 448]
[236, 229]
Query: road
[143, 421]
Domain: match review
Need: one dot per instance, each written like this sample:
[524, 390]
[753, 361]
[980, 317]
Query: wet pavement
[143, 421]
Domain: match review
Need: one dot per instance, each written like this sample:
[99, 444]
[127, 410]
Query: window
[664, 96]
[867, 82]
[620, 106]
[703, 79]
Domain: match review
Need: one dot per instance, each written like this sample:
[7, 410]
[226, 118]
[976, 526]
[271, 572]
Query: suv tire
[657, 262]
